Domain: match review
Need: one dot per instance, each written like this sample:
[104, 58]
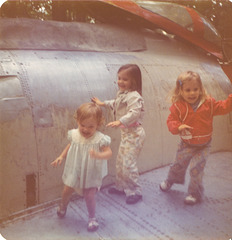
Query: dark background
[218, 12]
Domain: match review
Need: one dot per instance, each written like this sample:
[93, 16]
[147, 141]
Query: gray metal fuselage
[40, 89]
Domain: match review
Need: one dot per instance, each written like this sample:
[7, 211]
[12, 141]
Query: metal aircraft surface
[48, 68]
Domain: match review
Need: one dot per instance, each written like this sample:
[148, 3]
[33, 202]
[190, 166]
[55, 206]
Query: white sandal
[92, 225]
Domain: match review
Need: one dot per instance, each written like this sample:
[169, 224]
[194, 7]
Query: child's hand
[184, 127]
[184, 131]
[105, 153]
[114, 124]
[97, 101]
[93, 154]
[58, 161]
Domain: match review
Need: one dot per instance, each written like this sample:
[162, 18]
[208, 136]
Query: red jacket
[201, 120]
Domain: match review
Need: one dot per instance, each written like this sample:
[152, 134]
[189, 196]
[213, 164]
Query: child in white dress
[86, 164]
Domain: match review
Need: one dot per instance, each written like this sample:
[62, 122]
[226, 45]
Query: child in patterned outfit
[191, 117]
[86, 163]
[128, 109]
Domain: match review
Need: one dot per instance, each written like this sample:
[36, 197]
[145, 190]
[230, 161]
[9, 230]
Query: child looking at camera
[191, 117]
[85, 164]
[128, 110]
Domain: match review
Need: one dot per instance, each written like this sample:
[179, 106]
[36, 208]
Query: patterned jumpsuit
[128, 108]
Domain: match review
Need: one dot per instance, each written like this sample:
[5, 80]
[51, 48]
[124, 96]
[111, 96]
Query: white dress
[81, 171]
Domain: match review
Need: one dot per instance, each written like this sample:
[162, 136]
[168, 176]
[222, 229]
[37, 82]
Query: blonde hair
[181, 80]
[134, 72]
[89, 110]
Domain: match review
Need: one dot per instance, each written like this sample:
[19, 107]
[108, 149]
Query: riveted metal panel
[17, 146]
[67, 35]
[52, 84]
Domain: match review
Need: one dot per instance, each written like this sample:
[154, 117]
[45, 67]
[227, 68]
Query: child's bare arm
[60, 159]
[114, 124]
[105, 153]
[98, 101]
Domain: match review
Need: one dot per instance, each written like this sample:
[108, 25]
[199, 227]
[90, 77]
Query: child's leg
[178, 168]
[89, 195]
[197, 166]
[66, 195]
[119, 182]
[132, 143]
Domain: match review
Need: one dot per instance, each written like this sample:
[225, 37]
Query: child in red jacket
[191, 117]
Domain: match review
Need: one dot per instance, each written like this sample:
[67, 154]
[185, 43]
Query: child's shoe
[92, 225]
[114, 190]
[132, 199]
[61, 211]
[190, 200]
[165, 185]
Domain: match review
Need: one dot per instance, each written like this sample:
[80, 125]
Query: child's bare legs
[89, 195]
[66, 195]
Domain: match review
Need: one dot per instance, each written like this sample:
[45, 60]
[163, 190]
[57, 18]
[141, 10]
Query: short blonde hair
[182, 79]
[89, 110]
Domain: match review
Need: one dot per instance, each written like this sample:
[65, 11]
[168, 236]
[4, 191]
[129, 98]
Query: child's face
[87, 127]
[191, 91]
[124, 81]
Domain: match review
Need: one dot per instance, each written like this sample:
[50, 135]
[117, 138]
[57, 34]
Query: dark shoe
[133, 199]
[114, 190]
[61, 211]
